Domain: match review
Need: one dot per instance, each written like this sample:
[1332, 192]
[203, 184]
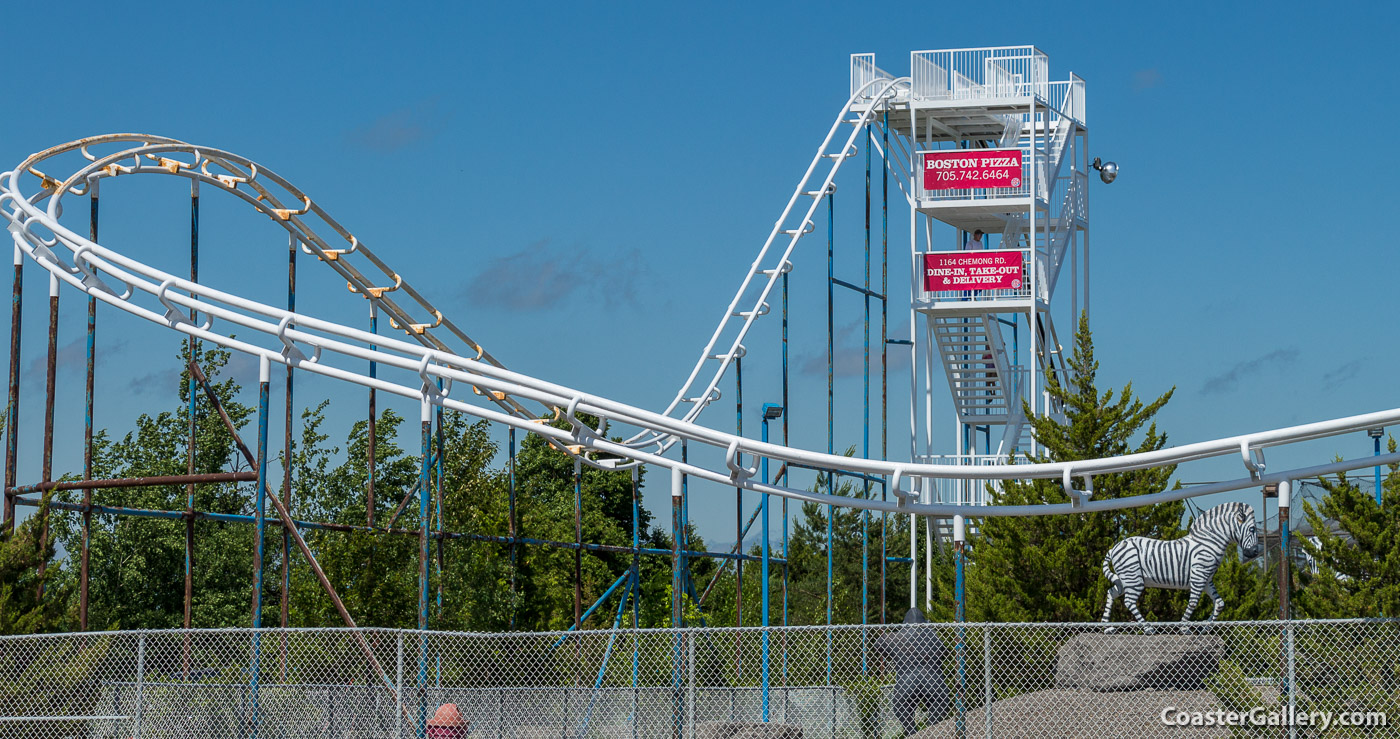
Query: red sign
[964, 168]
[972, 270]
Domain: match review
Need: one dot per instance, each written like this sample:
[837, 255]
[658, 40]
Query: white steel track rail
[413, 367]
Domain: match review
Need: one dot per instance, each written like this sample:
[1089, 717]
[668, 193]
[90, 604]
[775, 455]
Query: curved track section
[476, 383]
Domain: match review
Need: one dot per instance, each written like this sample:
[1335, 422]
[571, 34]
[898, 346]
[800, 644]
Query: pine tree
[1049, 568]
[1358, 563]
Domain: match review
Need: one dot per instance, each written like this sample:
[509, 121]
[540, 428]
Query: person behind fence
[918, 656]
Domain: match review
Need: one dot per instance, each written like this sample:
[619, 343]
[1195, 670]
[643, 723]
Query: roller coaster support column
[865, 426]
[259, 504]
[677, 712]
[191, 447]
[830, 402]
[50, 393]
[1376, 434]
[960, 615]
[510, 493]
[578, 541]
[370, 442]
[1285, 494]
[259, 511]
[292, 247]
[884, 343]
[424, 494]
[424, 473]
[770, 412]
[636, 589]
[780, 474]
[87, 425]
[12, 412]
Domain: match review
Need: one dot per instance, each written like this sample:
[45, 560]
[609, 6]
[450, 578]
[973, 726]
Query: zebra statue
[1188, 563]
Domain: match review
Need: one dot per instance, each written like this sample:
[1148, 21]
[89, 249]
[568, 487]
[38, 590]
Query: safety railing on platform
[971, 74]
[863, 72]
[942, 679]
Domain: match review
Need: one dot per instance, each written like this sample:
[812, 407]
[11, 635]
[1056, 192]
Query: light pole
[1376, 435]
[771, 412]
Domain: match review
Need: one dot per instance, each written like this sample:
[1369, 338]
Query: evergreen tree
[1358, 564]
[1049, 568]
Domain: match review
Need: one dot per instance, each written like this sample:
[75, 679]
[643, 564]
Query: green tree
[22, 610]
[137, 564]
[1048, 568]
[1358, 560]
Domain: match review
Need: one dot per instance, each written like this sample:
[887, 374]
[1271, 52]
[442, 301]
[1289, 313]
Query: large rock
[1113, 662]
[739, 730]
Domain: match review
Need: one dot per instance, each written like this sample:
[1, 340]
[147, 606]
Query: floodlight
[1375, 433]
[772, 411]
[1108, 171]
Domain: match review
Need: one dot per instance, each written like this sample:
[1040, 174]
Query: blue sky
[583, 186]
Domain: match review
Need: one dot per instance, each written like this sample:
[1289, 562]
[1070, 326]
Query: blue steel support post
[424, 482]
[260, 514]
[677, 709]
[786, 413]
[1376, 435]
[685, 523]
[865, 428]
[437, 528]
[830, 401]
[1285, 495]
[636, 591]
[960, 615]
[884, 340]
[738, 515]
[770, 411]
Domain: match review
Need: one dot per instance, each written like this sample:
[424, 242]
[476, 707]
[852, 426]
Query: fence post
[398, 691]
[1292, 689]
[987, 676]
[690, 702]
[140, 681]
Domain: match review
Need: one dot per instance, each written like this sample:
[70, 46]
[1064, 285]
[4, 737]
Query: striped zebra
[1188, 563]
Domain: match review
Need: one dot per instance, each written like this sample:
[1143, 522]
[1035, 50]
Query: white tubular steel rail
[334, 350]
[772, 271]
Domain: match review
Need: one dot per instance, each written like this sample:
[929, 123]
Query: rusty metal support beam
[87, 425]
[50, 395]
[193, 402]
[292, 248]
[12, 408]
[370, 450]
[134, 482]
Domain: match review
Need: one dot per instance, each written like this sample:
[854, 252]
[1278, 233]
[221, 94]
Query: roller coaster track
[412, 367]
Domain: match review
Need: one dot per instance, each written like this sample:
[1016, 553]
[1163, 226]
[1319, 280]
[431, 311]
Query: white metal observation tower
[986, 141]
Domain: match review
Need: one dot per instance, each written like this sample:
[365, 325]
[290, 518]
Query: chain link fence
[925, 680]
